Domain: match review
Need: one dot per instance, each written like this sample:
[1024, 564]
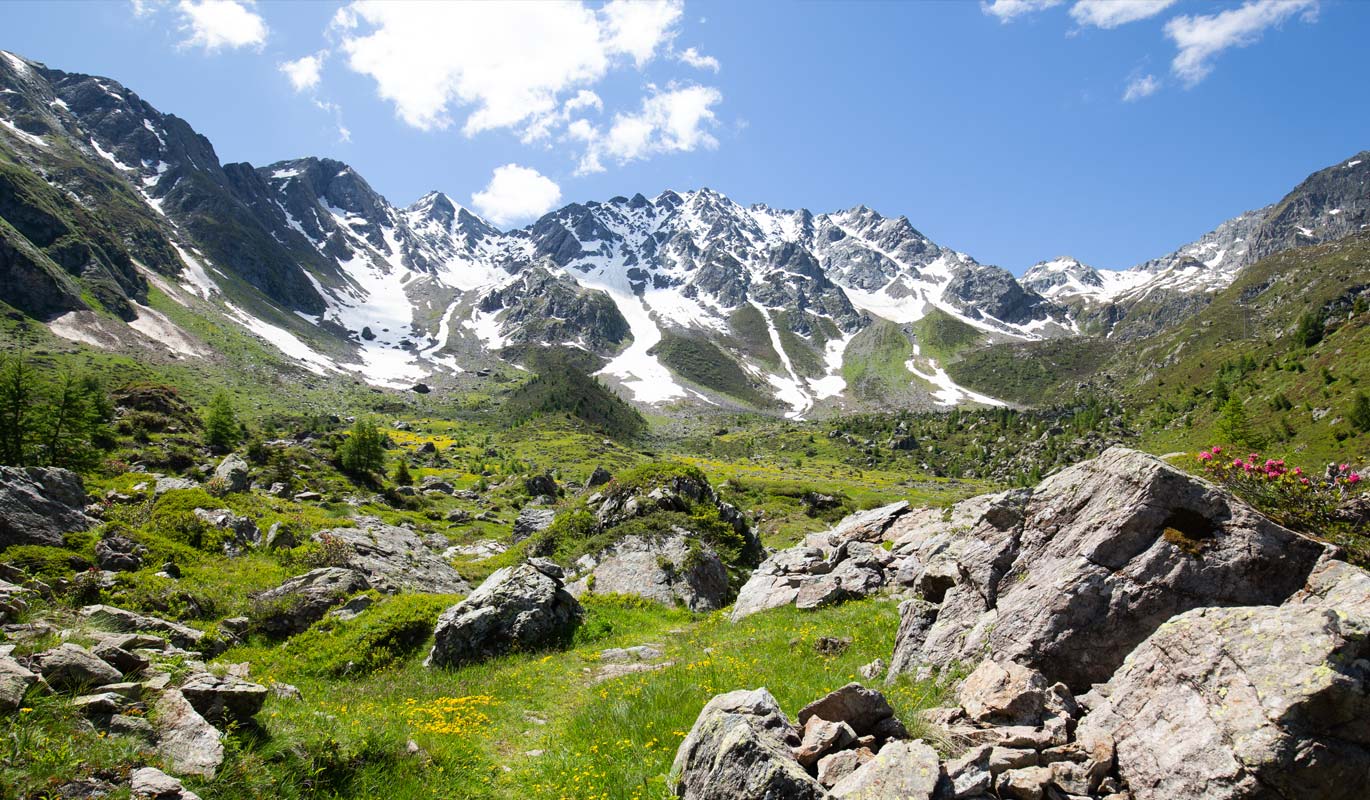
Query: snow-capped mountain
[684, 297]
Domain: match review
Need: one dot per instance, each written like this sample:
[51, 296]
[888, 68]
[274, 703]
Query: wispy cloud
[1140, 87]
[1200, 39]
[692, 57]
[1113, 13]
[1009, 10]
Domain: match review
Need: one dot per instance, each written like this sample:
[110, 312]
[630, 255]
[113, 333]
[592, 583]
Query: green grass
[874, 362]
[944, 337]
[702, 362]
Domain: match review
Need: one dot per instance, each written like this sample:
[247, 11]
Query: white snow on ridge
[284, 341]
[947, 392]
[156, 326]
[790, 388]
[36, 141]
[637, 370]
[198, 280]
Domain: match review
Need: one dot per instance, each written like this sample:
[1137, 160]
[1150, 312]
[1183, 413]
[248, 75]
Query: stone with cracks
[15, 681]
[1104, 552]
[124, 621]
[233, 472]
[1004, 693]
[1248, 702]
[69, 667]
[187, 743]
[531, 521]
[861, 708]
[739, 749]
[224, 699]
[304, 599]
[516, 608]
[905, 770]
[669, 569]
[395, 559]
[150, 783]
[38, 505]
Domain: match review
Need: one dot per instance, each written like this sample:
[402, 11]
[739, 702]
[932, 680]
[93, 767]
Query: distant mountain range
[110, 209]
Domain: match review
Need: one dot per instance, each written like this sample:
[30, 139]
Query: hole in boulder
[1189, 530]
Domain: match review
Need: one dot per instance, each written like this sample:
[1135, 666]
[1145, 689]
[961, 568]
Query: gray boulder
[1101, 555]
[396, 559]
[740, 749]
[516, 608]
[40, 504]
[187, 744]
[15, 681]
[844, 563]
[119, 554]
[150, 783]
[1256, 702]
[245, 531]
[531, 521]
[902, 769]
[861, 708]
[224, 699]
[118, 619]
[671, 569]
[304, 599]
[233, 471]
[69, 667]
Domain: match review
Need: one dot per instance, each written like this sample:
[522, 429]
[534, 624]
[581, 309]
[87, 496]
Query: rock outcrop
[395, 559]
[187, 743]
[40, 504]
[517, 608]
[303, 600]
[669, 569]
[1098, 557]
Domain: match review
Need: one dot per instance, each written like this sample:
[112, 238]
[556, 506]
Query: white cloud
[142, 8]
[1200, 39]
[516, 193]
[639, 27]
[693, 58]
[1139, 87]
[673, 121]
[1007, 10]
[304, 73]
[510, 63]
[1112, 13]
[216, 24]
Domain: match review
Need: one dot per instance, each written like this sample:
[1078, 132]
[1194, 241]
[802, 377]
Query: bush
[222, 431]
[1288, 495]
[386, 633]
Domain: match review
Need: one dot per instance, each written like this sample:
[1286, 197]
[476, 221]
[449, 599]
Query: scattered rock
[40, 504]
[906, 770]
[599, 477]
[516, 608]
[233, 471]
[861, 708]
[739, 747]
[119, 554]
[831, 645]
[127, 663]
[150, 783]
[304, 599]
[873, 670]
[226, 699]
[165, 485]
[186, 742]
[395, 559]
[118, 619]
[670, 569]
[245, 531]
[541, 484]
[821, 737]
[531, 521]
[15, 681]
[132, 727]
[69, 667]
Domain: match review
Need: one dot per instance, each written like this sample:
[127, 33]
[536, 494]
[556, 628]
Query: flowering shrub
[1290, 496]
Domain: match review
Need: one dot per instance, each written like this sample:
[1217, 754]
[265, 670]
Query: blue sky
[1111, 130]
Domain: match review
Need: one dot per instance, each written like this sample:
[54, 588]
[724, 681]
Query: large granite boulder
[740, 748]
[1251, 702]
[303, 600]
[1098, 558]
[40, 504]
[670, 569]
[70, 667]
[395, 559]
[517, 608]
[233, 471]
[531, 521]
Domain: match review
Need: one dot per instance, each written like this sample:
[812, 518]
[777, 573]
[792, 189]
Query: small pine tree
[1310, 330]
[222, 431]
[362, 454]
[19, 391]
[1233, 424]
[401, 474]
[69, 425]
[1360, 413]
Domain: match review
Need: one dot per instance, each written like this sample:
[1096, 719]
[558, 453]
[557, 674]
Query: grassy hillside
[874, 362]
